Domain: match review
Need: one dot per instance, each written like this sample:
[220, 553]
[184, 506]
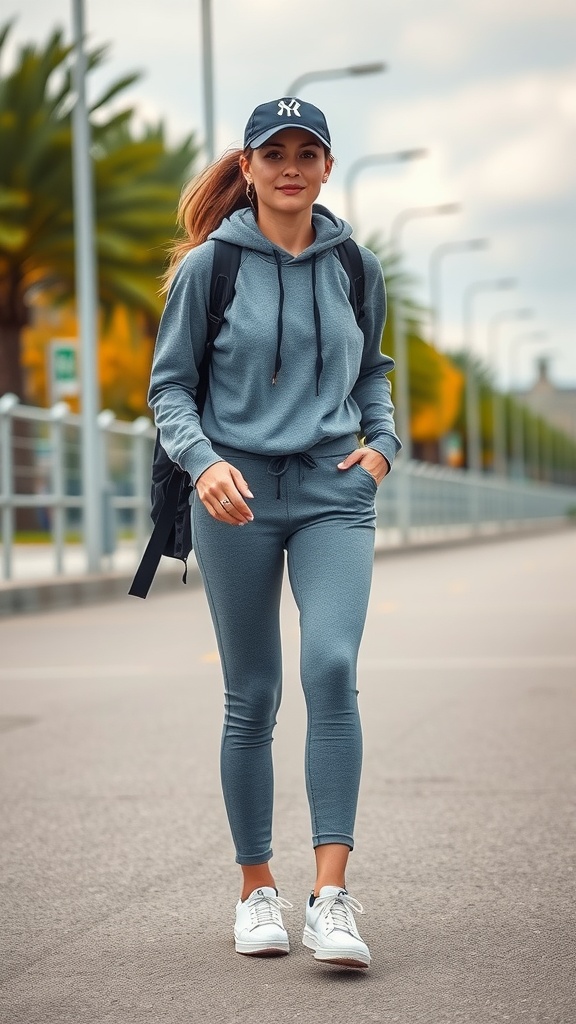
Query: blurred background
[453, 126]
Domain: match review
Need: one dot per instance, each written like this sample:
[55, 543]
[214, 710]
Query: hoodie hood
[241, 229]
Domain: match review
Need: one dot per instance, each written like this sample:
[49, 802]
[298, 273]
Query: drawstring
[280, 322]
[319, 360]
[279, 465]
[278, 362]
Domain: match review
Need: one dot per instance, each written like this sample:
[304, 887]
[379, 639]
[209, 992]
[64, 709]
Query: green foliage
[137, 185]
[544, 445]
[399, 293]
[422, 364]
[542, 442]
[400, 284]
[485, 389]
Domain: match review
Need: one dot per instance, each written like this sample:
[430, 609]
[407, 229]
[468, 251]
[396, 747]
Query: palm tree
[435, 382]
[422, 359]
[137, 184]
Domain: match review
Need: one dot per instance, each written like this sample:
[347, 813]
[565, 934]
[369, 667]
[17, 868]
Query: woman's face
[288, 171]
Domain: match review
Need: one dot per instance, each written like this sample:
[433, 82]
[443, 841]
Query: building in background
[555, 404]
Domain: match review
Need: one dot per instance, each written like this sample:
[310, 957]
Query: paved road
[118, 881]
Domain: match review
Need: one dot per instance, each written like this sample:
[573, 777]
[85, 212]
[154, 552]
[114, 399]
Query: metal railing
[41, 493]
[422, 500]
[41, 489]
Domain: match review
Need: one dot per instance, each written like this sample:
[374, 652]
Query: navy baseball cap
[288, 112]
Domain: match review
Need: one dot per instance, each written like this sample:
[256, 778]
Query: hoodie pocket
[367, 474]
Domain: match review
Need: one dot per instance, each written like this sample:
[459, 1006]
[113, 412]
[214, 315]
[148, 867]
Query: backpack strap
[155, 547]
[225, 267]
[351, 260]
[222, 284]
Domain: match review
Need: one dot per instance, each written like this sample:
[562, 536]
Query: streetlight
[402, 383]
[473, 441]
[208, 79]
[497, 398]
[400, 346]
[518, 413]
[472, 412]
[414, 212]
[436, 258]
[319, 76]
[86, 301]
[371, 160]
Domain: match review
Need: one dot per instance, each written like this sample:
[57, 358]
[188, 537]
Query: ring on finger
[225, 501]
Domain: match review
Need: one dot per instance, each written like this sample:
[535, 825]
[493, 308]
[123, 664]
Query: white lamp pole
[437, 258]
[518, 414]
[374, 68]
[473, 436]
[402, 372]
[208, 79]
[373, 160]
[498, 424]
[86, 299]
[472, 409]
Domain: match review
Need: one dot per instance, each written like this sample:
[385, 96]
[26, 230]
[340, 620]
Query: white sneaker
[331, 929]
[259, 930]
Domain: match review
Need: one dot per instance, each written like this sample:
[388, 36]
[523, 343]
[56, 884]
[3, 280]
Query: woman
[294, 382]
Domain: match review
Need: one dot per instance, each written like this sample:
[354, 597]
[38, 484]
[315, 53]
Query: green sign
[64, 380]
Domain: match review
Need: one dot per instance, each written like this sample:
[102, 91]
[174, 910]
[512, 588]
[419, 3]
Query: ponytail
[205, 201]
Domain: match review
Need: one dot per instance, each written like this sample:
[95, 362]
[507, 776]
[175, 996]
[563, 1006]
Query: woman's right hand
[222, 489]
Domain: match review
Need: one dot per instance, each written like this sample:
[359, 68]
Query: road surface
[118, 881]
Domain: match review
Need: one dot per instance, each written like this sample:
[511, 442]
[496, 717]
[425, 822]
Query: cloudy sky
[489, 88]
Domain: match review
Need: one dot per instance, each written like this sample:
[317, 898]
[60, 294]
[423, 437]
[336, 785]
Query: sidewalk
[35, 587]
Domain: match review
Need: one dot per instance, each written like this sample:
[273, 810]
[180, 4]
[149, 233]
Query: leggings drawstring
[280, 464]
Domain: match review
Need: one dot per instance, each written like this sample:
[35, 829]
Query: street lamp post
[372, 160]
[518, 413]
[498, 423]
[436, 259]
[473, 438]
[86, 299]
[373, 68]
[402, 373]
[400, 345]
[208, 79]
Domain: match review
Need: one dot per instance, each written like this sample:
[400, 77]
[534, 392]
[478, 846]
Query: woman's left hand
[372, 461]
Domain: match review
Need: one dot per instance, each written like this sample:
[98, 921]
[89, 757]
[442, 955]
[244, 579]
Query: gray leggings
[324, 519]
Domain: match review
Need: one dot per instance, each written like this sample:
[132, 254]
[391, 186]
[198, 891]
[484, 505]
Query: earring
[324, 180]
[251, 193]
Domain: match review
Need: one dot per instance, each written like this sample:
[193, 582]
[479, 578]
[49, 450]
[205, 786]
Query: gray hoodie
[290, 369]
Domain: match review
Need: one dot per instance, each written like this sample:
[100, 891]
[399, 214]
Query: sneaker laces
[266, 910]
[338, 911]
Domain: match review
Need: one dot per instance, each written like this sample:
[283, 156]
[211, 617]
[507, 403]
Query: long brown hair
[205, 201]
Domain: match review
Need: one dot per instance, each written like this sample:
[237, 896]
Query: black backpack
[171, 486]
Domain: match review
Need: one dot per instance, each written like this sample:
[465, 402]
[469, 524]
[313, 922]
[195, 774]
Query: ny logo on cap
[289, 108]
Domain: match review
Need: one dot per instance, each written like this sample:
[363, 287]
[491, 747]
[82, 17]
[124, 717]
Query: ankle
[256, 880]
[321, 882]
[331, 862]
[248, 892]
